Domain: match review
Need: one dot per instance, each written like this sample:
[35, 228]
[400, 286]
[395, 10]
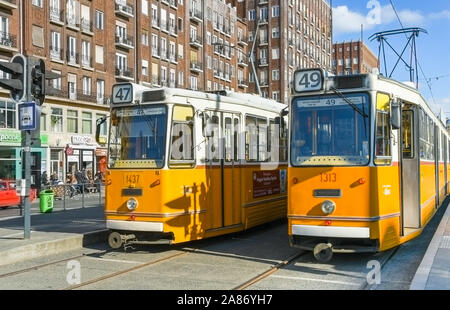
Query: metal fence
[71, 196]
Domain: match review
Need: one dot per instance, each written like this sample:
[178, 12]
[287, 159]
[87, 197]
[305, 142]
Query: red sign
[266, 183]
[69, 151]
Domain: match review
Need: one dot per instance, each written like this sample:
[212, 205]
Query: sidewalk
[51, 233]
[434, 270]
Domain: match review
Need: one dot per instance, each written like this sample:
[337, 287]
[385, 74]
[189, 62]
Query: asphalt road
[221, 263]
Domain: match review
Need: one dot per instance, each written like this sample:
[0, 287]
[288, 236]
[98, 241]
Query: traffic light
[17, 83]
[37, 79]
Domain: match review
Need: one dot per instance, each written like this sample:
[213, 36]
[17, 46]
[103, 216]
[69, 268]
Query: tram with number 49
[185, 165]
[368, 163]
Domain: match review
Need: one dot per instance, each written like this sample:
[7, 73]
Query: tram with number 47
[368, 163]
[185, 165]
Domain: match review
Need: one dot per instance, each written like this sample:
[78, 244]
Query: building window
[72, 121]
[7, 115]
[37, 3]
[87, 123]
[56, 120]
[100, 91]
[99, 24]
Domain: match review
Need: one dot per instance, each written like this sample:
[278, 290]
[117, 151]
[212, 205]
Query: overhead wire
[418, 62]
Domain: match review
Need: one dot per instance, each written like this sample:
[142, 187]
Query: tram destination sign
[309, 80]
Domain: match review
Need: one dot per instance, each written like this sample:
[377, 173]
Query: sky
[433, 49]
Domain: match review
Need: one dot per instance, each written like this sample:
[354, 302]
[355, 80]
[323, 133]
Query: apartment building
[93, 44]
[289, 35]
[353, 58]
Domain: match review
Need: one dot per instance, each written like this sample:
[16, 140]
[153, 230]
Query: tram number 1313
[328, 178]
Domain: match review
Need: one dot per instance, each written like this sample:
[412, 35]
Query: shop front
[11, 161]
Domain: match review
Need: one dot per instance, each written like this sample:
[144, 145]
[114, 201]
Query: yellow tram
[368, 163]
[185, 165]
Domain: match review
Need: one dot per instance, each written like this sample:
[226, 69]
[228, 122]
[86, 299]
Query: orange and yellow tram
[185, 165]
[368, 163]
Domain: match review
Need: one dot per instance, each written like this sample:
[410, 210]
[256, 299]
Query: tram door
[231, 169]
[410, 170]
[223, 169]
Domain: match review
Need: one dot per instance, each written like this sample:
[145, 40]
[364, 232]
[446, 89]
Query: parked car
[8, 194]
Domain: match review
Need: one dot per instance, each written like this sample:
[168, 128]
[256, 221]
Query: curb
[53, 247]
[420, 279]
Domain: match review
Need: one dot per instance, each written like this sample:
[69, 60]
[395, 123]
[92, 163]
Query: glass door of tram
[223, 169]
[410, 171]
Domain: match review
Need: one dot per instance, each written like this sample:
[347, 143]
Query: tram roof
[249, 100]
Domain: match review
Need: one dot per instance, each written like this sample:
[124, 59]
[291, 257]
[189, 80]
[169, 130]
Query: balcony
[263, 41]
[173, 30]
[263, 62]
[56, 16]
[155, 22]
[86, 27]
[196, 66]
[73, 22]
[164, 54]
[264, 83]
[56, 54]
[196, 41]
[242, 40]
[242, 83]
[124, 10]
[8, 42]
[173, 58]
[73, 59]
[263, 2]
[164, 26]
[125, 42]
[8, 4]
[196, 15]
[242, 61]
[263, 20]
[125, 74]
[173, 4]
[86, 62]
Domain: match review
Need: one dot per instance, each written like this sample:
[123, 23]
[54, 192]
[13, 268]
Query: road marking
[315, 280]
[113, 260]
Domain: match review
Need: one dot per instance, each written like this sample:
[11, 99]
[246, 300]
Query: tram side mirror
[98, 128]
[396, 115]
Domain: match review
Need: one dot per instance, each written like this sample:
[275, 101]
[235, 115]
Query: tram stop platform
[51, 233]
[434, 270]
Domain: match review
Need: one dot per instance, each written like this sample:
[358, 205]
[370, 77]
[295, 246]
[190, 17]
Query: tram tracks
[272, 270]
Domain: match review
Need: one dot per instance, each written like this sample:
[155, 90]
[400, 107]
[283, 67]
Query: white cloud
[441, 15]
[348, 21]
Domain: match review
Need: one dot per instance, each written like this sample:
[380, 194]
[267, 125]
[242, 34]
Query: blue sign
[28, 116]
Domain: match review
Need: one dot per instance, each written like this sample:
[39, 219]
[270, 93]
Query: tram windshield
[327, 130]
[138, 137]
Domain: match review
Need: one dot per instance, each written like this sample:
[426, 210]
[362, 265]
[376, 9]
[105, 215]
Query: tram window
[383, 131]
[426, 145]
[236, 139]
[255, 139]
[407, 131]
[228, 140]
[182, 140]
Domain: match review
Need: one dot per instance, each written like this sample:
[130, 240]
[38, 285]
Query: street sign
[28, 116]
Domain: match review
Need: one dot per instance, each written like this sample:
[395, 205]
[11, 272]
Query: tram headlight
[132, 204]
[328, 207]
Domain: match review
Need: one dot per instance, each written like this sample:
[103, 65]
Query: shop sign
[86, 140]
[101, 152]
[15, 137]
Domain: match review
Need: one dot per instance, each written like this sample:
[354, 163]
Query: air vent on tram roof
[351, 81]
[154, 95]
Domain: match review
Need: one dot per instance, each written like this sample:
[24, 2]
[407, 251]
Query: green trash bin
[46, 201]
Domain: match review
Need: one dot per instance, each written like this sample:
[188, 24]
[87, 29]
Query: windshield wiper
[354, 107]
[151, 125]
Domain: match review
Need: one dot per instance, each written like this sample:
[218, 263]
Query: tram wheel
[323, 252]
[115, 240]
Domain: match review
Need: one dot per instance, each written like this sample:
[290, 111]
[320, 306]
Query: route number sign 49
[308, 80]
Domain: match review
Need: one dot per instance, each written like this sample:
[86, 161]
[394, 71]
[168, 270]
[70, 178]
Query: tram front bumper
[135, 226]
